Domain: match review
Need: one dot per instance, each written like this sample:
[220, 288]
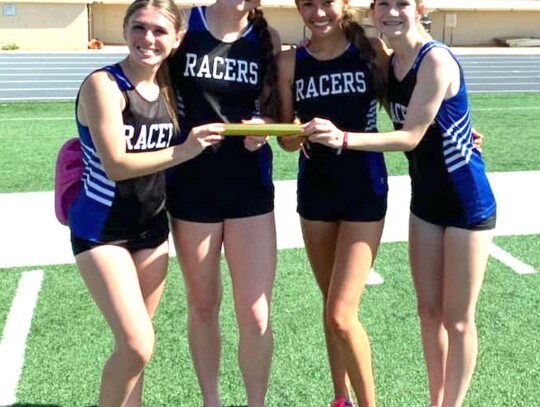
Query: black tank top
[219, 81]
[339, 90]
[106, 210]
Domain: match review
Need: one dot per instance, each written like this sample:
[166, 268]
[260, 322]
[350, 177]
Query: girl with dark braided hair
[224, 71]
[339, 75]
[452, 209]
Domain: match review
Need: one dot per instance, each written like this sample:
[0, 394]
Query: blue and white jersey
[449, 183]
[105, 210]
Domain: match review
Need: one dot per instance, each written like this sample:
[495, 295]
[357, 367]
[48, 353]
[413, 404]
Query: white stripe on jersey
[371, 124]
[96, 184]
[455, 143]
[97, 198]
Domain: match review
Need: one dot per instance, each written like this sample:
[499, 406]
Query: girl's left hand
[478, 139]
[324, 132]
[253, 143]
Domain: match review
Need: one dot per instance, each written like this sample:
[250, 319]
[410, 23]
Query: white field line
[507, 259]
[52, 68]
[11, 75]
[502, 83]
[24, 99]
[90, 57]
[13, 344]
[470, 91]
[35, 89]
[495, 109]
[499, 77]
[33, 119]
[41, 63]
[46, 81]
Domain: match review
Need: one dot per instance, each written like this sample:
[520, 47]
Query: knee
[340, 323]
[255, 320]
[430, 312]
[205, 310]
[458, 326]
[137, 351]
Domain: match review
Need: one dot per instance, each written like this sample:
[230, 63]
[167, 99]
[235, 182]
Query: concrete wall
[479, 28]
[106, 22]
[45, 26]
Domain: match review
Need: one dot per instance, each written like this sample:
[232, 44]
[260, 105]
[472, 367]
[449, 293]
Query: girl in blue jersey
[452, 207]
[118, 222]
[223, 71]
[341, 194]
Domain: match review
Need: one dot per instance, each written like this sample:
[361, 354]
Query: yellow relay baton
[261, 129]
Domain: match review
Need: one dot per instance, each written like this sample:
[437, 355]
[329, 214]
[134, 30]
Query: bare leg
[357, 245]
[112, 277]
[320, 240]
[426, 258]
[198, 247]
[250, 248]
[152, 282]
[465, 258]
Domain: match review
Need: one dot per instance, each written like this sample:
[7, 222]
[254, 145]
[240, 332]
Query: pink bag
[67, 177]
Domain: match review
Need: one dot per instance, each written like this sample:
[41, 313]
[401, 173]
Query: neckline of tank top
[202, 10]
[412, 64]
[156, 100]
[347, 47]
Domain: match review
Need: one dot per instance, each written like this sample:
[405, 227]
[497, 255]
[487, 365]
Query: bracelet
[345, 142]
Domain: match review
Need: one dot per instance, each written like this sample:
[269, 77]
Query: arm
[100, 108]
[438, 78]
[285, 64]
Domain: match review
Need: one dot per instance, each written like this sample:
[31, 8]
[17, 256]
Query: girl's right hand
[204, 136]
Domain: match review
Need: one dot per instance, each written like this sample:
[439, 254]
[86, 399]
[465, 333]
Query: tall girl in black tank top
[118, 222]
[341, 195]
[224, 71]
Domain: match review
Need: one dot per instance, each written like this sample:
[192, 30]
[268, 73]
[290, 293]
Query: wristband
[344, 143]
[345, 140]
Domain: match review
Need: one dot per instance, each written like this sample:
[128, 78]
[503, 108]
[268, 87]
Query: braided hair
[268, 101]
[356, 34]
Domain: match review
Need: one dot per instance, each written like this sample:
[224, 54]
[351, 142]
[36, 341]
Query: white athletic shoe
[374, 278]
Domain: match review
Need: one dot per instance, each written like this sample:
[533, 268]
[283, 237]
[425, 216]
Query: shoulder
[100, 79]
[286, 65]
[439, 70]
[440, 54]
[99, 87]
[439, 58]
[287, 58]
[99, 93]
